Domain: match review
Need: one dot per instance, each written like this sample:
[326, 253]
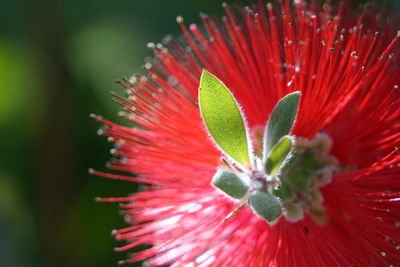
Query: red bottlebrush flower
[347, 131]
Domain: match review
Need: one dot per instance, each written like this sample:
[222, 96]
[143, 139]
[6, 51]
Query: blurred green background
[58, 61]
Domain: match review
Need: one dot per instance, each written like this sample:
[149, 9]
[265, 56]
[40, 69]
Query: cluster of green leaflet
[252, 179]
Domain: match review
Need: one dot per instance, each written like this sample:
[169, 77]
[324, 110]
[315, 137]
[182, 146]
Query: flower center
[310, 168]
[298, 184]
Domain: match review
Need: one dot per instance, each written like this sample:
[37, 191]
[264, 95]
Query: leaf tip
[296, 94]
[205, 74]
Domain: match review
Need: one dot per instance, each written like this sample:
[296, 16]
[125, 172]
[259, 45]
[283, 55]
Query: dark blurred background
[58, 61]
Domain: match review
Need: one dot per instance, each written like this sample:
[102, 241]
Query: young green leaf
[223, 119]
[278, 155]
[230, 183]
[265, 205]
[281, 120]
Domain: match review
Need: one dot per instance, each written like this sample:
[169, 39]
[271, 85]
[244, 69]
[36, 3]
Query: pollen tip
[117, 249]
[98, 199]
[193, 27]
[203, 15]
[121, 262]
[94, 116]
[269, 6]
[224, 4]
[121, 114]
[150, 45]
[91, 170]
[132, 98]
[128, 92]
[132, 79]
[179, 19]
[114, 232]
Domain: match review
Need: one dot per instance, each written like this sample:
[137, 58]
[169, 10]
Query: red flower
[348, 73]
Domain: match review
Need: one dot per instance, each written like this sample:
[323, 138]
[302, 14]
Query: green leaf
[230, 183]
[281, 120]
[278, 155]
[265, 205]
[223, 119]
